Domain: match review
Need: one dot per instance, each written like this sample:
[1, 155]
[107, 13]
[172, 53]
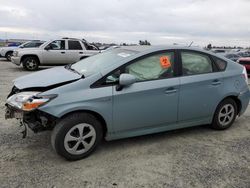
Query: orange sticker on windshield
[165, 63]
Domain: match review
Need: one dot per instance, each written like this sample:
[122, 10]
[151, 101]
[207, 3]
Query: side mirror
[48, 47]
[125, 80]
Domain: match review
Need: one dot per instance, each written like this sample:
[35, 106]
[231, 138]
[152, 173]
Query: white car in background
[8, 50]
[55, 52]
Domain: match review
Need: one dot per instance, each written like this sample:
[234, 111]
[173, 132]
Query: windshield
[31, 44]
[97, 63]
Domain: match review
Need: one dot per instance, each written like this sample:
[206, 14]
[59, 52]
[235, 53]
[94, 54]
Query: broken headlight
[28, 101]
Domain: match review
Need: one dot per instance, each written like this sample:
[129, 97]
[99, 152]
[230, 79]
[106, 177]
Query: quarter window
[195, 63]
[74, 45]
[221, 64]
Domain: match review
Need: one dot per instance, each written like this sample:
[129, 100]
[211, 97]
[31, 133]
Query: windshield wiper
[68, 67]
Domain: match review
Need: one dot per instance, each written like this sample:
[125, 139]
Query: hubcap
[31, 64]
[80, 139]
[226, 114]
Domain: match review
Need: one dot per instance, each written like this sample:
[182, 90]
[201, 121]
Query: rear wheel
[8, 56]
[225, 114]
[76, 136]
[30, 63]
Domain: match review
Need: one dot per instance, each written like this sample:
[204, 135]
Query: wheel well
[237, 102]
[8, 52]
[97, 115]
[24, 56]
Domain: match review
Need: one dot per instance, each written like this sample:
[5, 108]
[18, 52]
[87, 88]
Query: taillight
[244, 74]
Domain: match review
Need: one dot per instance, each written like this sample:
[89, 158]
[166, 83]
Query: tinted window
[74, 45]
[195, 63]
[221, 64]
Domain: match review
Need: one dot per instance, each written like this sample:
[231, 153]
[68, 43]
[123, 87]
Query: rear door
[201, 86]
[75, 51]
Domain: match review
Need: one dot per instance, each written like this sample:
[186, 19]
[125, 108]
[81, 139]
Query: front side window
[57, 45]
[74, 45]
[154, 67]
[195, 63]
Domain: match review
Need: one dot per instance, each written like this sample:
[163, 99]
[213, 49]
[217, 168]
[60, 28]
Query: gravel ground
[193, 157]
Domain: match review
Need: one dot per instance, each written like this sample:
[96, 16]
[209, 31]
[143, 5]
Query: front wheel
[30, 63]
[225, 114]
[8, 55]
[76, 136]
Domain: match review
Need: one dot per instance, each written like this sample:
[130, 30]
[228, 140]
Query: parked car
[55, 52]
[218, 51]
[7, 52]
[126, 92]
[245, 61]
[231, 56]
[243, 54]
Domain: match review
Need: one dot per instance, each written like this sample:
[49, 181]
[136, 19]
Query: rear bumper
[16, 60]
[244, 98]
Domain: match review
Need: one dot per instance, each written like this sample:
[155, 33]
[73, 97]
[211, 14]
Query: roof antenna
[190, 44]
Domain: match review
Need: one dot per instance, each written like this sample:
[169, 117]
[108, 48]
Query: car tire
[225, 114]
[76, 136]
[8, 56]
[30, 63]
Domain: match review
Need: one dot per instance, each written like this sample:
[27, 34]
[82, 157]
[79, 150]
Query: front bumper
[36, 120]
[16, 60]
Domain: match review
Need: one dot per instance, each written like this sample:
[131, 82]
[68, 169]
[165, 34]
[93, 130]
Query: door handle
[216, 82]
[62, 52]
[170, 90]
[80, 52]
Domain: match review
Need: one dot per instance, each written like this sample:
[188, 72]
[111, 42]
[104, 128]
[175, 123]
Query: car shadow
[155, 137]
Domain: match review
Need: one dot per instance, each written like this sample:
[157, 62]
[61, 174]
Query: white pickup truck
[54, 52]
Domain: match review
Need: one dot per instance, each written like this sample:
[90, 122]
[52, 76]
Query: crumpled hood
[46, 78]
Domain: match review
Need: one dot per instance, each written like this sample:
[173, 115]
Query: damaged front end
[23, 106]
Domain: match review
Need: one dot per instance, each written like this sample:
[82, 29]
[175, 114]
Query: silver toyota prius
[126, 92]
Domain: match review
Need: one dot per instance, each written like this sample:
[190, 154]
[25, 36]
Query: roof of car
[142, 48]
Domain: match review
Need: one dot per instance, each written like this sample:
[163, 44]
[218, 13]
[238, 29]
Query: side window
[153, 67]
[74, 45]
[195, 63]
[221, 64]
[157, 66]
[57, 45]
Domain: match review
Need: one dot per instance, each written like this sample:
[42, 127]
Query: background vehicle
[7, 52]
[56, 52]
[231, 56]
[128, 92]
[245, 61]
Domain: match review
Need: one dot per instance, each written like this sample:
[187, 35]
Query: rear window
[221, 64]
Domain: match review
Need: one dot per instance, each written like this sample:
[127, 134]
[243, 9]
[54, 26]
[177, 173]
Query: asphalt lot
[193, 157]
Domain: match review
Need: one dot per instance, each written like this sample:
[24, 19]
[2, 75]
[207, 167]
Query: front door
[153, 100]
[55, 53]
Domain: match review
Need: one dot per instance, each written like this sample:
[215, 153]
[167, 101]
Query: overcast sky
[220, 22]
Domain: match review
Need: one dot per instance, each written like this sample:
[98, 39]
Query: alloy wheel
[80, 138]
[226, 114]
